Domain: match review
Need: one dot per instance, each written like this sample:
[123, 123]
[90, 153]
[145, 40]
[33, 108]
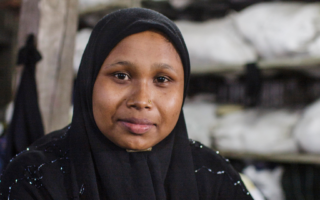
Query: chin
[137, 145]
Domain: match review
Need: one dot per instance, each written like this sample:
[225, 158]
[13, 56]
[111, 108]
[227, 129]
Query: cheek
[105, 101]
[170, 108]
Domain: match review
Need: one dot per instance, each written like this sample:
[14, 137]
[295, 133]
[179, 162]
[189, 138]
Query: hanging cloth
[26, 124]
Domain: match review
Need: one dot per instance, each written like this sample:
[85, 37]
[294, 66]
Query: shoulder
[26, 170]
[216, 177]
[204, 156]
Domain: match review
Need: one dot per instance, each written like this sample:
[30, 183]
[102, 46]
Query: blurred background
[254, 94]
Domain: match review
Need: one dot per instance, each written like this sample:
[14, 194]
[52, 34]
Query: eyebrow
[126, 63]
[155, 65]
[163, 66]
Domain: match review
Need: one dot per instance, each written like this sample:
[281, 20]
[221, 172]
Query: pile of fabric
[216, 42]
[199, 115]
[267, 180]
[258, 131]
[307, 131]
[262, 131]
[266, 31]
[278, 30]
[269, 131]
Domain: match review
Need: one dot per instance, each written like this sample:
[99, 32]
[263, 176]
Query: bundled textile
[215, 42]
[258, 131]
[268, 180]
[279, 30]
[307, 131]
[199, 116]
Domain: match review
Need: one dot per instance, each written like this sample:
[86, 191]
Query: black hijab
[104, 170]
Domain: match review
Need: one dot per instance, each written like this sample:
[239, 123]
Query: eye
[162, 79]
[121, 76]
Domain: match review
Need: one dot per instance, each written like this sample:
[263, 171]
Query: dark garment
[26, 124]
[253, 85]
[84, 164]
[45, 172]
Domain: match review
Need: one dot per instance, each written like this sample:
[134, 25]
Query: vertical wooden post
[54, 23]
[28, 21]
[28, 24]
[56, 38]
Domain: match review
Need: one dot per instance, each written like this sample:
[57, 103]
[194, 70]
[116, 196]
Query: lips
[136, 126]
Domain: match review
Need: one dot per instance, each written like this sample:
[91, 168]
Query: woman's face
[138, 93]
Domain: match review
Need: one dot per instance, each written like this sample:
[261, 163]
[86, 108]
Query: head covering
[104, 170]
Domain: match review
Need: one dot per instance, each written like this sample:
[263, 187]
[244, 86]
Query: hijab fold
[106, 171]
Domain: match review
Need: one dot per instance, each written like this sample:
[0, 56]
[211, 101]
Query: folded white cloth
[278, 30]
[268, 181]
[256, 131]
[215, 42]
[180, 4]
[307, 131]
[199, 118]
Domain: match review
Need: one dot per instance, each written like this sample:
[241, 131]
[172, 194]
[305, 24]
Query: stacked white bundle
[278, 30]
[307, 131]
[215, 42]
[268, 181]
[199, 117]
[272, 31]
[256, 131]
[180, 4]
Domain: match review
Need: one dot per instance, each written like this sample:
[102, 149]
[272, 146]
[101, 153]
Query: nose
[140, 97]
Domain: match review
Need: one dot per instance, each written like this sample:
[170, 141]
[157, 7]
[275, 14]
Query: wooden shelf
[286, 63]
[275, 157]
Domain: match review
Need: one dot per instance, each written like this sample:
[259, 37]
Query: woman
[128, 138]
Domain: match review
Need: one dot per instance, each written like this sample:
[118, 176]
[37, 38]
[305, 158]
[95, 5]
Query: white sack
[180, 4]
[279, 30]
[307, 131]
[253, 190]
[256, 131]
[215, 42]
[267, 181]
[199, 118]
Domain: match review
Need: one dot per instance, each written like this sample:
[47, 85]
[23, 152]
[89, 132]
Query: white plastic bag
[307, 131]
[256, 131]
[215, 42]
[279, 30]
[199, 118]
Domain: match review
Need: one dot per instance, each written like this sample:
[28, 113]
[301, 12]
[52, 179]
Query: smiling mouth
[137, 126]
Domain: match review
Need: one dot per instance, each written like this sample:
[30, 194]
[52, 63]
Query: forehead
[144, 37]
[150, 44]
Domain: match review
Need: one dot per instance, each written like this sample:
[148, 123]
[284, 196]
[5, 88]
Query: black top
[44, 172]
[81, 163]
